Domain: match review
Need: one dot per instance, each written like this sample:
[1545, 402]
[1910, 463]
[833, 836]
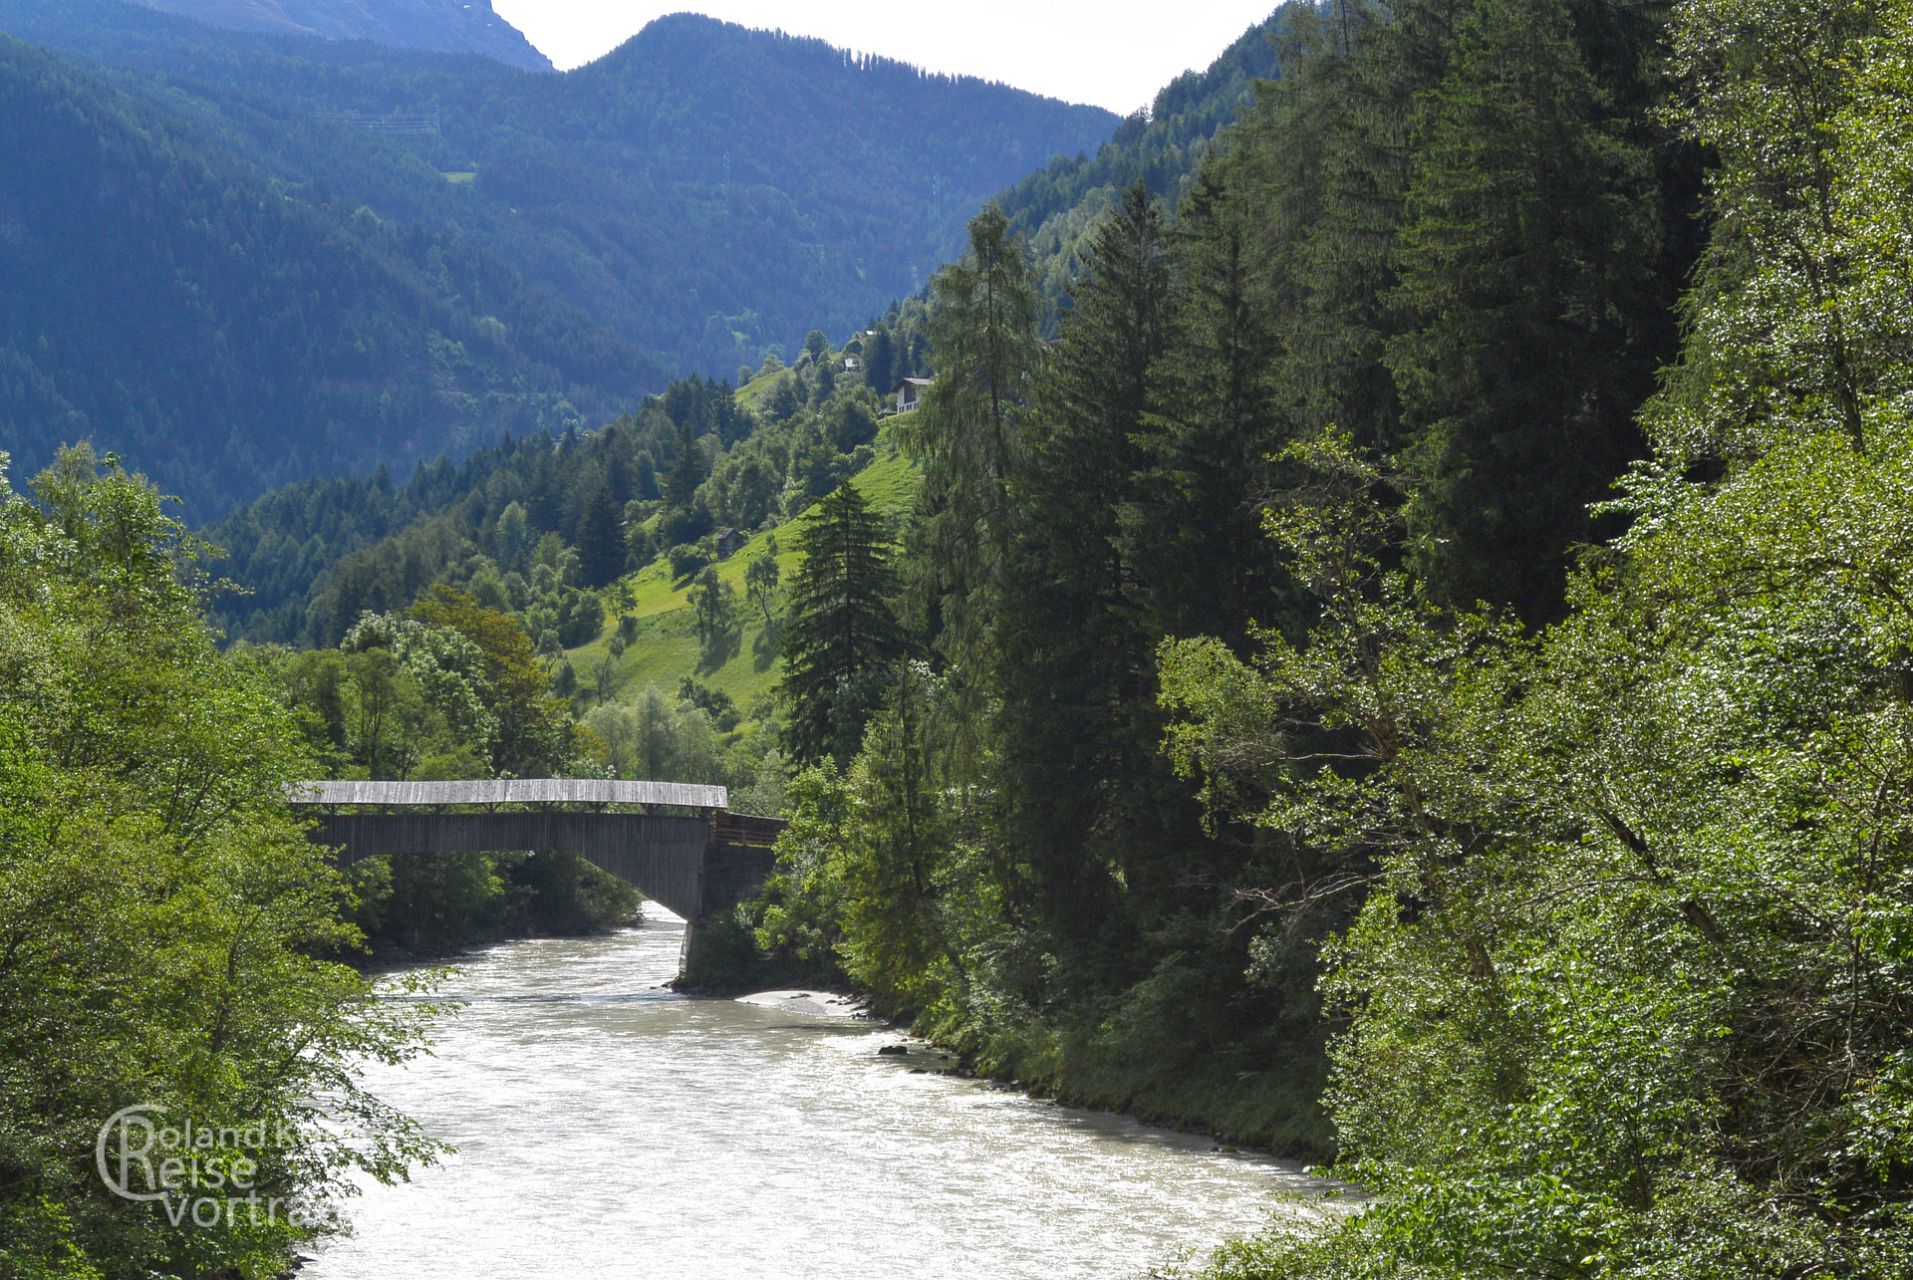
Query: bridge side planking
[663, 857]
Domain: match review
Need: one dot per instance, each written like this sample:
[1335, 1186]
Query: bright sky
[1113, 53]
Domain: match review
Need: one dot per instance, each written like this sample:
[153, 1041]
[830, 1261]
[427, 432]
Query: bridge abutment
[718, 948]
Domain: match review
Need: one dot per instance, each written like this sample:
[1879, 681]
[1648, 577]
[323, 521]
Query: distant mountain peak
[443, 26]
[684, 35]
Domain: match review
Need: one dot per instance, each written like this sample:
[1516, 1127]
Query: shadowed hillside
[710, 193]
[447, 26]
[224, 334]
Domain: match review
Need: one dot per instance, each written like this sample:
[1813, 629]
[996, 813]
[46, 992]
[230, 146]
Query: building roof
[689, 795]
[912, 382]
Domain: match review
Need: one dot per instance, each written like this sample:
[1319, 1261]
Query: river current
[608, 1127]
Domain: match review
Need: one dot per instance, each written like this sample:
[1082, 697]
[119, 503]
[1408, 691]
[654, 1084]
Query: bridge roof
[688, 795]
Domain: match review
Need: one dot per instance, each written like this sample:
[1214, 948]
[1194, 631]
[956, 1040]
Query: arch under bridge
[676, 843]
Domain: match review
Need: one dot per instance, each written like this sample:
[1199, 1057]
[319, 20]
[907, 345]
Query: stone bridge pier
[678, 844]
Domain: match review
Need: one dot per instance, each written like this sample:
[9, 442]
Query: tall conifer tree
[968, 435]
[601, 547]
[842, 637]
[1077, 671]
[1527, 256]
[1193, 524]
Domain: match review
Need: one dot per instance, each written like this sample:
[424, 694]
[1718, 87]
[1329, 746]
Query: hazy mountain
[225, 333]
[447, 26]
[709, 192]
[305, 549]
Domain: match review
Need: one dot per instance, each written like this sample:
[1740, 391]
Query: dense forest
[708, 193]
[1407, 666]
[1341, 652]
[655, 484]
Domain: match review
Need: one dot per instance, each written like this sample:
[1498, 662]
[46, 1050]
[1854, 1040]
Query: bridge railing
[593, 792]
[747, 829]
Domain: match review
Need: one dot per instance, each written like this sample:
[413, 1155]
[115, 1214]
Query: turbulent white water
[607, 1127]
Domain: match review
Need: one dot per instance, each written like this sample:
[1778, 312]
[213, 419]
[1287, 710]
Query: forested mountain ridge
[1057, 208]
[224, 333]
[710, 193]
[288, 546]
[698, 457]
[447, 26]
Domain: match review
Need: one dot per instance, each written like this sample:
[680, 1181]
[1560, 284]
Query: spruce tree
[968, 437]
[687, 470]
[601, 545]
[880, 362]
[1076, 678]
[842, 637]
[1524, 267]
[1319, 174]
[1192, 525]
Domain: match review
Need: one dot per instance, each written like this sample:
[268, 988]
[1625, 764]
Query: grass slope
[666, 649]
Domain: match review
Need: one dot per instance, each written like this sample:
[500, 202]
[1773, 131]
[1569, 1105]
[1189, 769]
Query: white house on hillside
[908, 389]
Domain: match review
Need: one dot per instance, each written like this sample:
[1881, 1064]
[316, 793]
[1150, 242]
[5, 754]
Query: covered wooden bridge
[677, 843]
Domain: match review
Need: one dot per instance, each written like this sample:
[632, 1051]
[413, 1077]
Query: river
[608, 1127]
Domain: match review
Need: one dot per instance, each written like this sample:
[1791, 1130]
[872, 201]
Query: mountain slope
[1057, 207]
[447, 26]
[709, 192]
[287, 546]
[224, 334]
[663, 647]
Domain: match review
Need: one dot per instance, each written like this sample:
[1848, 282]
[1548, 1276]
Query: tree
[714, 703]
[389, 718]
[166, 919]
[534, 728]
[761, 579]
[880, 362]
[968, 435]
[1191, 521]
[315, 683]
[903, 891]
[802, 925]
[1789, 330]
[513, 539]
[842, 636]
[1317, 179]
[1074, 737]
[688, 468]
[601, 541]
[656, 738]
[714, 605]
[1526, 263]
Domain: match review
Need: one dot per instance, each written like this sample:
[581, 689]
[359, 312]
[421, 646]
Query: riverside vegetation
[1409, 666]
[1275, 699]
